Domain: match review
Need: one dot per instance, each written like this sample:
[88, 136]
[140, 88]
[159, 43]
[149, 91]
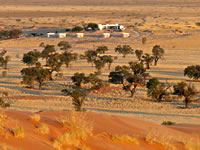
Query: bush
[43, 128]
[192, 72]
[77, 29]
[35, 117]
[3, 104]
[93, 26]
[197, 23]
[168, 123]
[4, 74]
[18, 132]
[79, 129]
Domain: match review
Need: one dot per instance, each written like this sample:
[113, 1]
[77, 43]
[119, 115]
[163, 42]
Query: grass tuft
[35, 117]
[18, 132]
[43, 128]
[124, 138]
[78, 130]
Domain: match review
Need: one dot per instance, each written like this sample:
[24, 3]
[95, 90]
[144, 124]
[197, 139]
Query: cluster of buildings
[80, 35]
[62, 34]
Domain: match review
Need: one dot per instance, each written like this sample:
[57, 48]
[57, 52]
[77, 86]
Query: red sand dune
[102, 123]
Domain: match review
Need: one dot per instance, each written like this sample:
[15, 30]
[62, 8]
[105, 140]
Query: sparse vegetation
[78, 130]
[158, 53]
[77, 29]
[43, 128]
[188, 91]
[192, 72]
[124, 50]
[35, 117]
[78, 98]
[157, 90]
[18, 132]
[168, 123]
[4, 59]
[124, 138]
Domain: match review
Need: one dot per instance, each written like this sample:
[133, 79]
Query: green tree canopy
[64, 45]
[124, 50]
[188, 91]
[157, 90]
[34, 74]
[192, 72]
[158, 53]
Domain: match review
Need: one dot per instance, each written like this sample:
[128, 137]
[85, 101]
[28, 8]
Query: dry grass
[18, 132]
[124, 138]
[35, 117]
[43, 128]
[3, 121]
[154, 137]
[193, 143]
[78, 129]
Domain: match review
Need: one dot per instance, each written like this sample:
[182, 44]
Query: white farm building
[110, 26]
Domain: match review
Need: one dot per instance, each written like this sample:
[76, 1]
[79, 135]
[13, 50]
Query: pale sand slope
[104, 127]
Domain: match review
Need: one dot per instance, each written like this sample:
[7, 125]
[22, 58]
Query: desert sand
[111, 111]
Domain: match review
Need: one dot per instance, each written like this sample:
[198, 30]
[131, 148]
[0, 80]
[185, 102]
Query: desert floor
[169, 24]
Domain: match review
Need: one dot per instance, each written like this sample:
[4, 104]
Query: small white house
[110, 26]
[106, 35]
[51, 35]
[79, 35]
[61, 35]
[125, 35]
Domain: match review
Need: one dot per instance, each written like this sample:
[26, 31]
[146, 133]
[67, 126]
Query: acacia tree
[68, 57]
[139, 54]
[99, 64]
[192, 72]
[4, 59]
[144, 40]
[42, 44]
[188, 91]
[47, 51]
[101, 49]
[124, 50]
[64, 45]
[96, 82]
[54, 63]
[78, 98]
[34, 74]
[31, 58]
[158, 53]
[78, 79]
[157, 90]
[147, 59]
[130, 77]
[90, 55]
[108, 59]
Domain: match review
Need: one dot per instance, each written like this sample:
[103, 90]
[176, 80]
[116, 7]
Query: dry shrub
[124, 138]
[18, 132]
[154, 137]
[43, 128]
[35, 117]
[3, 121]
[5, 147]
[78, 130]
[192, 144]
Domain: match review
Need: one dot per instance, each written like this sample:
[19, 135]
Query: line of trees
[131, 76]
[10, 34]
[53, 63]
